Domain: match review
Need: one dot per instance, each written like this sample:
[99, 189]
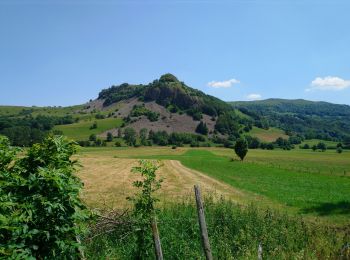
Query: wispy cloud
[223, 84]
[254, 96]
[329, 83]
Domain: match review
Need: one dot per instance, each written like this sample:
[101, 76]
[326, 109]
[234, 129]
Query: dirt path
[108, 181]
[191, 177]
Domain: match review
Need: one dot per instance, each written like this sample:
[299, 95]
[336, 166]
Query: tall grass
[234, 232]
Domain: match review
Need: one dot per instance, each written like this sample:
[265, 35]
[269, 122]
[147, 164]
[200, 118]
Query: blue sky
[65, 52]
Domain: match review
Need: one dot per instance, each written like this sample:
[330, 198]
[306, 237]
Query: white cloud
[329, 83]
[223, 84]
[254, 97]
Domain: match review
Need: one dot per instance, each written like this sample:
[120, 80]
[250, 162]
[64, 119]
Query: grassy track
[82, 131]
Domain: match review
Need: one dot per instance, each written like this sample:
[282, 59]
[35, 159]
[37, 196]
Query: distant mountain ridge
[298, 105]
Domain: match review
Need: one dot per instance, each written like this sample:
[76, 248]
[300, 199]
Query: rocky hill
[170, 105]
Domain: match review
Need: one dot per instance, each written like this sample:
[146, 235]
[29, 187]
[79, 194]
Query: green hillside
[312, 120]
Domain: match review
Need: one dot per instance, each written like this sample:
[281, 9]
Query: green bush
[40, 209]
[143, 111]
[202, 128]
[109, 137]
[144, 205]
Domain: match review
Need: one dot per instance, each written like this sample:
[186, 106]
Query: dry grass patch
[108, 181]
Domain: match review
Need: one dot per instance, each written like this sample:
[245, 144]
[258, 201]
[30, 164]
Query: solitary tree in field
[241, 148]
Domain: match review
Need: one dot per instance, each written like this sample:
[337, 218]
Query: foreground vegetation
[234, 232]
[41, 214]
[40, 209]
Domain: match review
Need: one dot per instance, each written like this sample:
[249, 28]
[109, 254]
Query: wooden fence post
[260, 252]
[156, 239]
[202, 224]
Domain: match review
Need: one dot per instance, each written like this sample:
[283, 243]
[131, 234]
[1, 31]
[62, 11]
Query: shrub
[130, 136]
[305, 146]
[202, 128]
[84, 143]
[253, 142]
[40, 208]
[143, 136]
[322, 146]
[99, 116]
[194, 144]
[92, 137]
[109, 137]
[143, 111]
[93, 126]
[144, 205]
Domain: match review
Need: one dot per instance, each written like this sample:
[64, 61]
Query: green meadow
[269, 135]
[82, 131]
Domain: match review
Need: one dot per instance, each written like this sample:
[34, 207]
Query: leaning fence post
[202, 224]
[156, 239]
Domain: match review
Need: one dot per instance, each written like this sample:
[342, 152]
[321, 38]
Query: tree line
[27, 130]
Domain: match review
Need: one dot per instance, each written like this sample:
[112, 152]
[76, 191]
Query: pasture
[82, 131]
[269, 135]
[315, 184]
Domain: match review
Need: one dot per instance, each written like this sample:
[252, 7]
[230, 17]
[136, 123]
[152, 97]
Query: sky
[64, 52]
